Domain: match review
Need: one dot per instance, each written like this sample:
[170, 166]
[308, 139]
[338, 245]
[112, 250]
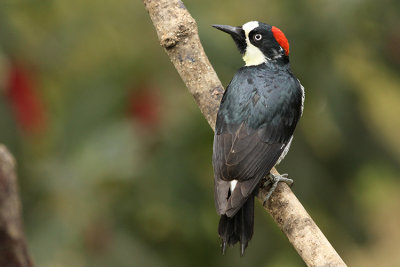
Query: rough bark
[13, 248]
[178, 35]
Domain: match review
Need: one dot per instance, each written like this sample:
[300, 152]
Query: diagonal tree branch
[13, 248]
[178, 35]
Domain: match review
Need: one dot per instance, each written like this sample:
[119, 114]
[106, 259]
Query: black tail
[238, 228]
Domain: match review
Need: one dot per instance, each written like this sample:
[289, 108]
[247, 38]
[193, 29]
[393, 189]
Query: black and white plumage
[256, 120]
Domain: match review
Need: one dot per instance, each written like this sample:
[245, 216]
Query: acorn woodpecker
[255, 123]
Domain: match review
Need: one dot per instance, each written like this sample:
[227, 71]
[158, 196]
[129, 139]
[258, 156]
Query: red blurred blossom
[144, 106]
[24, 100]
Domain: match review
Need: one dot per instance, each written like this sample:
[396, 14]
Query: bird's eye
[257, 37]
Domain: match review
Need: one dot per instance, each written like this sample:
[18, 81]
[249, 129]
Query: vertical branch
[178, 35]
[13, 248]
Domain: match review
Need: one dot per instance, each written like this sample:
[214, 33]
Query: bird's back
[256, 119]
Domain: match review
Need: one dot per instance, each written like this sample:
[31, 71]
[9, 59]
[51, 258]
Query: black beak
[233, 31]
[237, 34]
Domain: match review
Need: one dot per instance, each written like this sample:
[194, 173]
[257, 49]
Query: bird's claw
[275, 179]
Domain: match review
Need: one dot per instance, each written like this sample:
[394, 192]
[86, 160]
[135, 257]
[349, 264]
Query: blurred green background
[114, 157]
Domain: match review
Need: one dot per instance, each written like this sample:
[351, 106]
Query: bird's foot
[274, 179]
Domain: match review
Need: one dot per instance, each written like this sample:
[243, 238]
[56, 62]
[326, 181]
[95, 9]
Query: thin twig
[178, 35]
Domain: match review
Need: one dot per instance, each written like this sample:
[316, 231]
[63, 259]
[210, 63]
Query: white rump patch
[253, 55]
[233, 185]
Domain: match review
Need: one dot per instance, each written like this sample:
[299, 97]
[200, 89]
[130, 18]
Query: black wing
[253, 127]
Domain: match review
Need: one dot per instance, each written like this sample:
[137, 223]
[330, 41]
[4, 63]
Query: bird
[257, 116]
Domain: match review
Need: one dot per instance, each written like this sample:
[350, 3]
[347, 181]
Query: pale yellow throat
[253, 55]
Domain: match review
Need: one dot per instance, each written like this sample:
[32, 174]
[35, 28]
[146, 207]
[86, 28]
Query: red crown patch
[281, 39]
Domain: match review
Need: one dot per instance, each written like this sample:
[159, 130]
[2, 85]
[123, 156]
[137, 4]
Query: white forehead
[249, 26]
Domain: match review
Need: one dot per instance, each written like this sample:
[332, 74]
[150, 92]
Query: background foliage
[115, 158]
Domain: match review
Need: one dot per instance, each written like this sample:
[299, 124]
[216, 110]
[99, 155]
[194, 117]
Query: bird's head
[258, 42]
